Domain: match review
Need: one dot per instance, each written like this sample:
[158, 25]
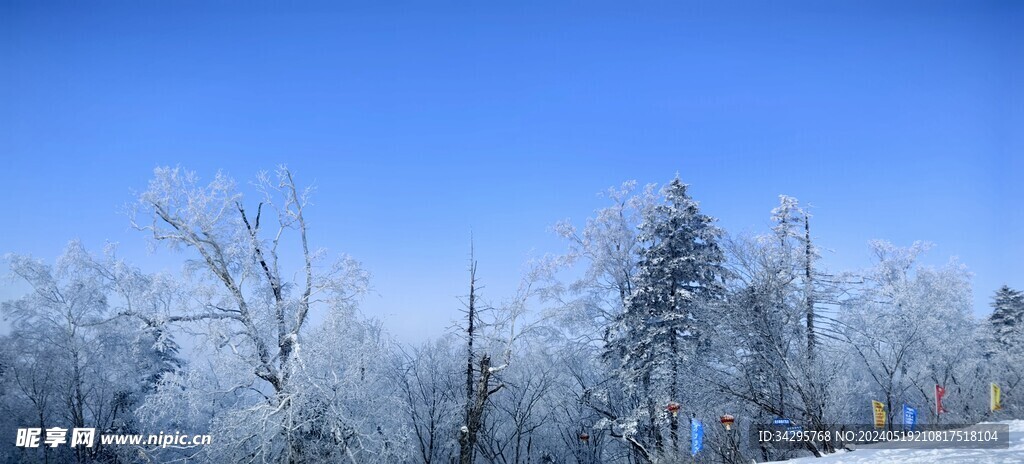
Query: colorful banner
[696, 436]
[879, 409]
[909, 417]
[939, 393]
[995, 402]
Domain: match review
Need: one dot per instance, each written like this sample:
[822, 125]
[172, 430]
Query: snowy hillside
[1014, 454]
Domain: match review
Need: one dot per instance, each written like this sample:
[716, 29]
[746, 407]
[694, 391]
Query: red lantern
[673, 408]
[584, 437]
[727, 421]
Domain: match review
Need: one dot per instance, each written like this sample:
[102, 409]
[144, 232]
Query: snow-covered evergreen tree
[1004, 334]
[1007, 317]
[680, 276]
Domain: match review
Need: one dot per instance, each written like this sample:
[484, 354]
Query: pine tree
[680, 270]
[1007, 317]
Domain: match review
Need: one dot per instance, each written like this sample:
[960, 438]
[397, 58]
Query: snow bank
[1014, 454]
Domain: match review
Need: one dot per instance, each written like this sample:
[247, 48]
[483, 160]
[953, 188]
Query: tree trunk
[468, 435]
[473, 412]
[808, 289]
[674, 388]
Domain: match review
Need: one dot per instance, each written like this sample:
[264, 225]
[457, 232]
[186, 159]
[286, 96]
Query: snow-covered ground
[1014, 454]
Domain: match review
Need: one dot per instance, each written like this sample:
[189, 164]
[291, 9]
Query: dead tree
[476, 397]
[481, 380]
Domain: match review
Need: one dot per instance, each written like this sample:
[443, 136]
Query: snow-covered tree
[1007, 319]
[292, 393]
[679, 281]
[608, 248]
[760, 358]
[1004, 334]
[75, 364]
[798, 255]
[519, 427]
[432, 386]
[911, 328]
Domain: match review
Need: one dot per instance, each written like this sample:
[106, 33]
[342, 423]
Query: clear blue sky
[421, 121]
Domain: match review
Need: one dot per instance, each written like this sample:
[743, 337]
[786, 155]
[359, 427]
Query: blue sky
[421, 122]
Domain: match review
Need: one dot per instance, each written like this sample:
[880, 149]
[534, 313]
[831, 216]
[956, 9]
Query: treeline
[652, 318]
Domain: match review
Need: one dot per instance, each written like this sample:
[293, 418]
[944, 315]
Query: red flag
[939, 392]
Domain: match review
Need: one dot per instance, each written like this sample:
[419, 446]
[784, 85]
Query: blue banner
[909, 417]
[696, 436]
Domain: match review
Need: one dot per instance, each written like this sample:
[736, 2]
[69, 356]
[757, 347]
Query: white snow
[1014, 454]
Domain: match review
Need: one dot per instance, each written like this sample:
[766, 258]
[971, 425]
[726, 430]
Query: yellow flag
[995, 402]
[879, 409]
